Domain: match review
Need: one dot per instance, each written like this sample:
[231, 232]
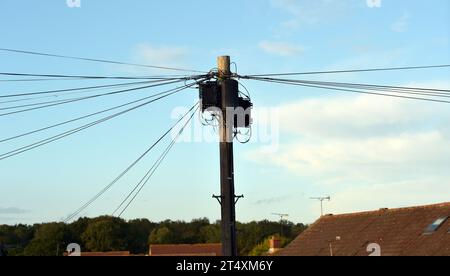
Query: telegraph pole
[281, 221]
[220, 96]
[228, 222]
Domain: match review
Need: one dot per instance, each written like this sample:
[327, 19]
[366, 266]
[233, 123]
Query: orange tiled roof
[212, 249]
[399, 232]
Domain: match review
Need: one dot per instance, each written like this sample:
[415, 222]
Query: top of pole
[223, 65]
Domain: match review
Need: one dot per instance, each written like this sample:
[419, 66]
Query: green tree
[77, 228]
[50, 239]
[138, 233]
[162, 235]
[105, 234]
[113, 234]
[210, 233]
[190, 232]
[297, 229]
[262, 248]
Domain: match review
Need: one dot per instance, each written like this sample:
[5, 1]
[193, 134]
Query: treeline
[115, 234]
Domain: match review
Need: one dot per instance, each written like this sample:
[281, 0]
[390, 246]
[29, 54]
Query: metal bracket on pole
[236, 198]
[219, 199]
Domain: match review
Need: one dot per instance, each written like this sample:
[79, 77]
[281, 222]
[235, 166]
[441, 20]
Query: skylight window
[435, 225]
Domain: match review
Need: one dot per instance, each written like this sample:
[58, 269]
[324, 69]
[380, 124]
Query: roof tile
[399, 232]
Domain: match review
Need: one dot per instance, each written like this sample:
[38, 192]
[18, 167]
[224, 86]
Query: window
[435, 225]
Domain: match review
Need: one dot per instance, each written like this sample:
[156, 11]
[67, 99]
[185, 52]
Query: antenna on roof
[282, 216]
[321, 199]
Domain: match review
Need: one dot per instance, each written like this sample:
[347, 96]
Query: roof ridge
[384, 210]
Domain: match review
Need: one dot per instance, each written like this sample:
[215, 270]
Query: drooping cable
[57, 91]
[141, 184]
[347, 71]
[67, 101]
[98, 60]
[106, 188]
[396, 89]
[337, 88]
[84, 116]
[78, 129]
[79, 77]
[33, 96]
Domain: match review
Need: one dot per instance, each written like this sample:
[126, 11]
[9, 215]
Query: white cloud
[291, 24]
[435, 84]
[365, 159]
[310, 12]
[170, 56]
[370, 59]
[12, 210]
[272, 200]
[401, 24]
[389, 195]
[280, 48]
[349, 116]
[368, 151]
[374, 3]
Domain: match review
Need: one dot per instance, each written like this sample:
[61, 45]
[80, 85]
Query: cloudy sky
[365, 151]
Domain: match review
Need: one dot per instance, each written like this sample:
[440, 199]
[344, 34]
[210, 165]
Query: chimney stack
[274, 244]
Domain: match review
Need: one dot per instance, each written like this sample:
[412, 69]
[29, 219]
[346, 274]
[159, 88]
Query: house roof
[211, 249]
[399, 232]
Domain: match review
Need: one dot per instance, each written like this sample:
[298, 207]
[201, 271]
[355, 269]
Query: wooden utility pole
[228, 222]
[233, 113]
[281, 221]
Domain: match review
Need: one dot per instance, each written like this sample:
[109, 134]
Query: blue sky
[366, 152]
